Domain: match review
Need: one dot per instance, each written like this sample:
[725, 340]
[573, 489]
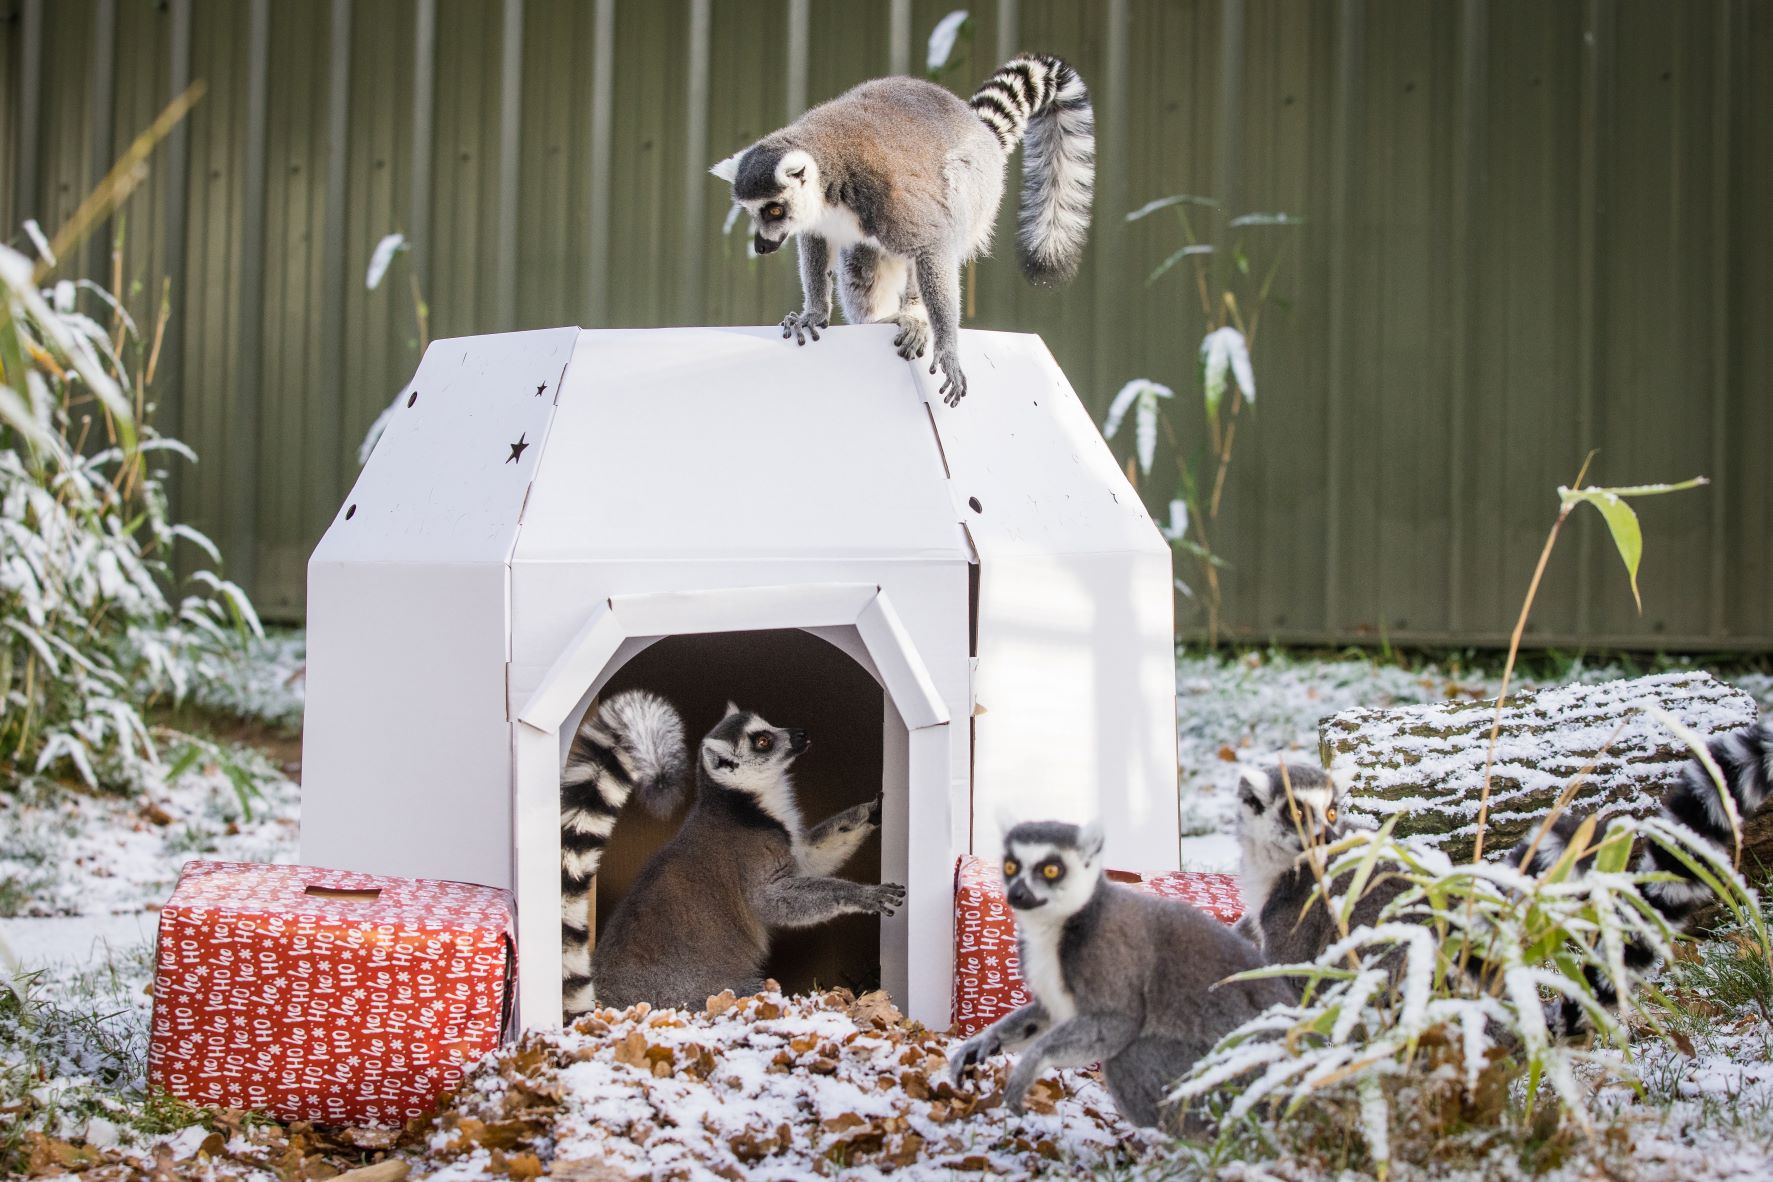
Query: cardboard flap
[448, 478]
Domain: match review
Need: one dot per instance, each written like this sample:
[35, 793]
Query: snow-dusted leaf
[942, 39]
[1140, 396]
[1151, 207]
[34, 232]
[1267, 219]
[382, 258]
[1224, 353]
[1177, 528]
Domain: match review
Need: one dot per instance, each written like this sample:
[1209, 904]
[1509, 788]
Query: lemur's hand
[888, 897]
[865, 816]
[954, 384]
[798, 324]
[974, 1051]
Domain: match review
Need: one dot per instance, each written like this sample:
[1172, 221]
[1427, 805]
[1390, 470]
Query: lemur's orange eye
[763, 741]
[1050, 871]
[774, 211]
[1330, 815]
[1010, 867]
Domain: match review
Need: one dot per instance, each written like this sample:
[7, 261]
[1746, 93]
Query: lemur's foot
[888, 897]
[974, 1051]
[954, 383]
[914, 335]
[799, 324]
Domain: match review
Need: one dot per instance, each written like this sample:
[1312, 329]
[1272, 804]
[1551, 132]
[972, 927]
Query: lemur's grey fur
[1291, 928]
[631, 744]
[1129, 980]
[903, 179]
[699, 916]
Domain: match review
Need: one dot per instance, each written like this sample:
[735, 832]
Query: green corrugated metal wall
[1531, 229]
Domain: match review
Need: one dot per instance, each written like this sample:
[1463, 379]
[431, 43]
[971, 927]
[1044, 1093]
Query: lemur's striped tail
[632, 744]
[1746, 759]
[1040, 97]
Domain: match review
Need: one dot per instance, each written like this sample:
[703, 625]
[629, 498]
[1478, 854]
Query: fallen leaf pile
[767, 1087]
[764, 1086]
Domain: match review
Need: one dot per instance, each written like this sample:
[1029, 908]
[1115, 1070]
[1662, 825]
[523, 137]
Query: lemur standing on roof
[632, 744]
[1292, 928]
[699, 916]
[902, 179]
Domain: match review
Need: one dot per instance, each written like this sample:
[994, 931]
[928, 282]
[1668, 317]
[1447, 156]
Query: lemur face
[747, 753]
[1051, 868]
[778, 187]
[1265, 821]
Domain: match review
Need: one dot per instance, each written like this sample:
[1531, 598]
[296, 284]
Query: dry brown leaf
[875, 1009]
[523, 1166]
[632, 1050]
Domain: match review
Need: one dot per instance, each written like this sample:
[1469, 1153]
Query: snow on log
[1425, 764]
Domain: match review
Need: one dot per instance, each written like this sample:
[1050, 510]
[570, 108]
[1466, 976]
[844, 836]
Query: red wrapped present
[987, 978]
[326, 996]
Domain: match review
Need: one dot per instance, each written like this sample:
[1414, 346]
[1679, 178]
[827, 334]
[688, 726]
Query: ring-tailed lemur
[1277, 883]
[1129, 980]
[1746, 759]
[632, 744]
[903, 179]
[698, 917]
[1274, 877]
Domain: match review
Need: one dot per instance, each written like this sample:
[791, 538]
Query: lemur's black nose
[1021, 898]
[797, 740]
[767, 245]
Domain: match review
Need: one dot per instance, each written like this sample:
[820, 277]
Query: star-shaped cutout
[517, 449]
[540, 388]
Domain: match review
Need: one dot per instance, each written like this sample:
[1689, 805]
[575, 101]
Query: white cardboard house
[545, 505]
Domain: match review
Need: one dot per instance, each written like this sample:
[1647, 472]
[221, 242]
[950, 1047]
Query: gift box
[320, 995]
[987, 979]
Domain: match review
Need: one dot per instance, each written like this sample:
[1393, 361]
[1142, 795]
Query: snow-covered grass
[81, 873]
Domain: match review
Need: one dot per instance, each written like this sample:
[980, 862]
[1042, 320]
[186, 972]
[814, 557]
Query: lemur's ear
[1255, 778]
[1006, 819]
[1089, 840]
[728, 169]
[731, 708]
[714, 749]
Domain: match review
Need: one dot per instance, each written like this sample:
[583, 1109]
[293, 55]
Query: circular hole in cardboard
[974, 505]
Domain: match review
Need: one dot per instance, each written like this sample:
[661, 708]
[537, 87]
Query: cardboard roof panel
[1031, 473]
[450, 473]
[733, 444]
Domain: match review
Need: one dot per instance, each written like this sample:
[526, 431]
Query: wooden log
[1425, 764]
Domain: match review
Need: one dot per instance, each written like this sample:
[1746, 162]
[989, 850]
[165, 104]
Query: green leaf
[1621, 521]
[1191, 249]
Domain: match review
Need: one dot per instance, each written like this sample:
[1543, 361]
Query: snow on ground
[821, 1086]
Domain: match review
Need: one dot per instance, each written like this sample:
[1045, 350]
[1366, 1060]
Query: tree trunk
[1425, 764]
